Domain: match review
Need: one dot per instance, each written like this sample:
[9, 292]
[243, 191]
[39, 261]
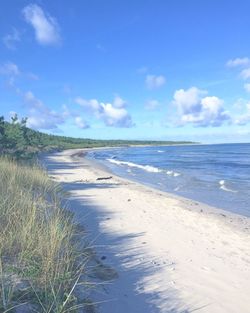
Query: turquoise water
[218, 175]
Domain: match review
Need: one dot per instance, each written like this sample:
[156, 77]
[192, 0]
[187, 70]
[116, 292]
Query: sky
[134, 69]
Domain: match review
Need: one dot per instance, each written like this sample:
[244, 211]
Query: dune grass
[41, 262]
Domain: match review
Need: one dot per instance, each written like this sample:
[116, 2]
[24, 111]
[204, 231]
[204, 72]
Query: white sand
[171, 254]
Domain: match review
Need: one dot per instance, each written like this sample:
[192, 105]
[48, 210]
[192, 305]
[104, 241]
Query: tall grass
[40, 261]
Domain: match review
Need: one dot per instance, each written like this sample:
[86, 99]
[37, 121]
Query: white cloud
[40, 116]
[9, 69]
[34, 102]
[39, 122]
[11, 39]
[119, 102]
[152, 104]
[90, 105]
[66, 112]
[238, 62]
[188, 100]
[154, 81]
[244, 118]
[45, 26]
[81, 123]
[247, 87]
[239, 104]
[114, 115]
[198, 110]
[245, 74]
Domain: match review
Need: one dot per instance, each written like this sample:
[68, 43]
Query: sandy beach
[164, 253]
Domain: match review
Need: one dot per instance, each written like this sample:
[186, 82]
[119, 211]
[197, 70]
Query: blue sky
[141, 69]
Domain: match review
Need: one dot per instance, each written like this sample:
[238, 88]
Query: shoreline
[233, 219]
[170, 253]
[219, 189]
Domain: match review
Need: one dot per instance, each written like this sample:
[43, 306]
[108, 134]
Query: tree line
[20, 141]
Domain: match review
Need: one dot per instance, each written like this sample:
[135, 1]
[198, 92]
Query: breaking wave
[147, 168]
[223, 186]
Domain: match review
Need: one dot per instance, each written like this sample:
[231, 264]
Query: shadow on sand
[132, 271]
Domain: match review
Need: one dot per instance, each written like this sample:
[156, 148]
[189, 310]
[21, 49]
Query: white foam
[147, 168]
[172, 173]
[223, 187]
[160, 151]
[176, 174]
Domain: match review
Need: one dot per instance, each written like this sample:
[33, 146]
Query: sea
[215, 174]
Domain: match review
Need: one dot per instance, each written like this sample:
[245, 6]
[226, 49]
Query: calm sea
[218, 175]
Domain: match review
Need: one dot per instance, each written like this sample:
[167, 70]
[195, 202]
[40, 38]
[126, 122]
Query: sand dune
[160, 253]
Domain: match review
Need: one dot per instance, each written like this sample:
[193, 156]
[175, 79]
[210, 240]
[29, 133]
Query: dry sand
[162, 253]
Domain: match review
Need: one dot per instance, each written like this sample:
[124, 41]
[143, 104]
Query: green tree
[14, 134]
[2, 133]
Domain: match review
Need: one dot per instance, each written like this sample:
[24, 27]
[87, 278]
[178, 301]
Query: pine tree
[2, 133]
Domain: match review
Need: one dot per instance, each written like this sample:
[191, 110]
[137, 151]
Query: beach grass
[41, 262]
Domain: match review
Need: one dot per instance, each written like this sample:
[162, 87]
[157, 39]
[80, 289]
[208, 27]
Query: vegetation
[40, 262]
[20, 141]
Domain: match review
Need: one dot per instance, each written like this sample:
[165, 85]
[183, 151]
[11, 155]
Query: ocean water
[218, 175]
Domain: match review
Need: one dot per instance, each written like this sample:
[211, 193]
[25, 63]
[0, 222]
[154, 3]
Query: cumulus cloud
[119, 102]
[188, 100]
[46, 27]
[199, 110]
[152, 104]
[154, 81]
[10, 40]
[89, 105]
[40, 116]
[238, 62]
[116, 117]
[112, 114]
[80, 123]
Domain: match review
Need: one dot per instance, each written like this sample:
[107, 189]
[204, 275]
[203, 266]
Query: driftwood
[104, 178]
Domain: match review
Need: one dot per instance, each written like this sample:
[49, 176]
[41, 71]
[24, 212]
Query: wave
[147, 168]
[172, 173]
[223, 187]
[160, 151]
